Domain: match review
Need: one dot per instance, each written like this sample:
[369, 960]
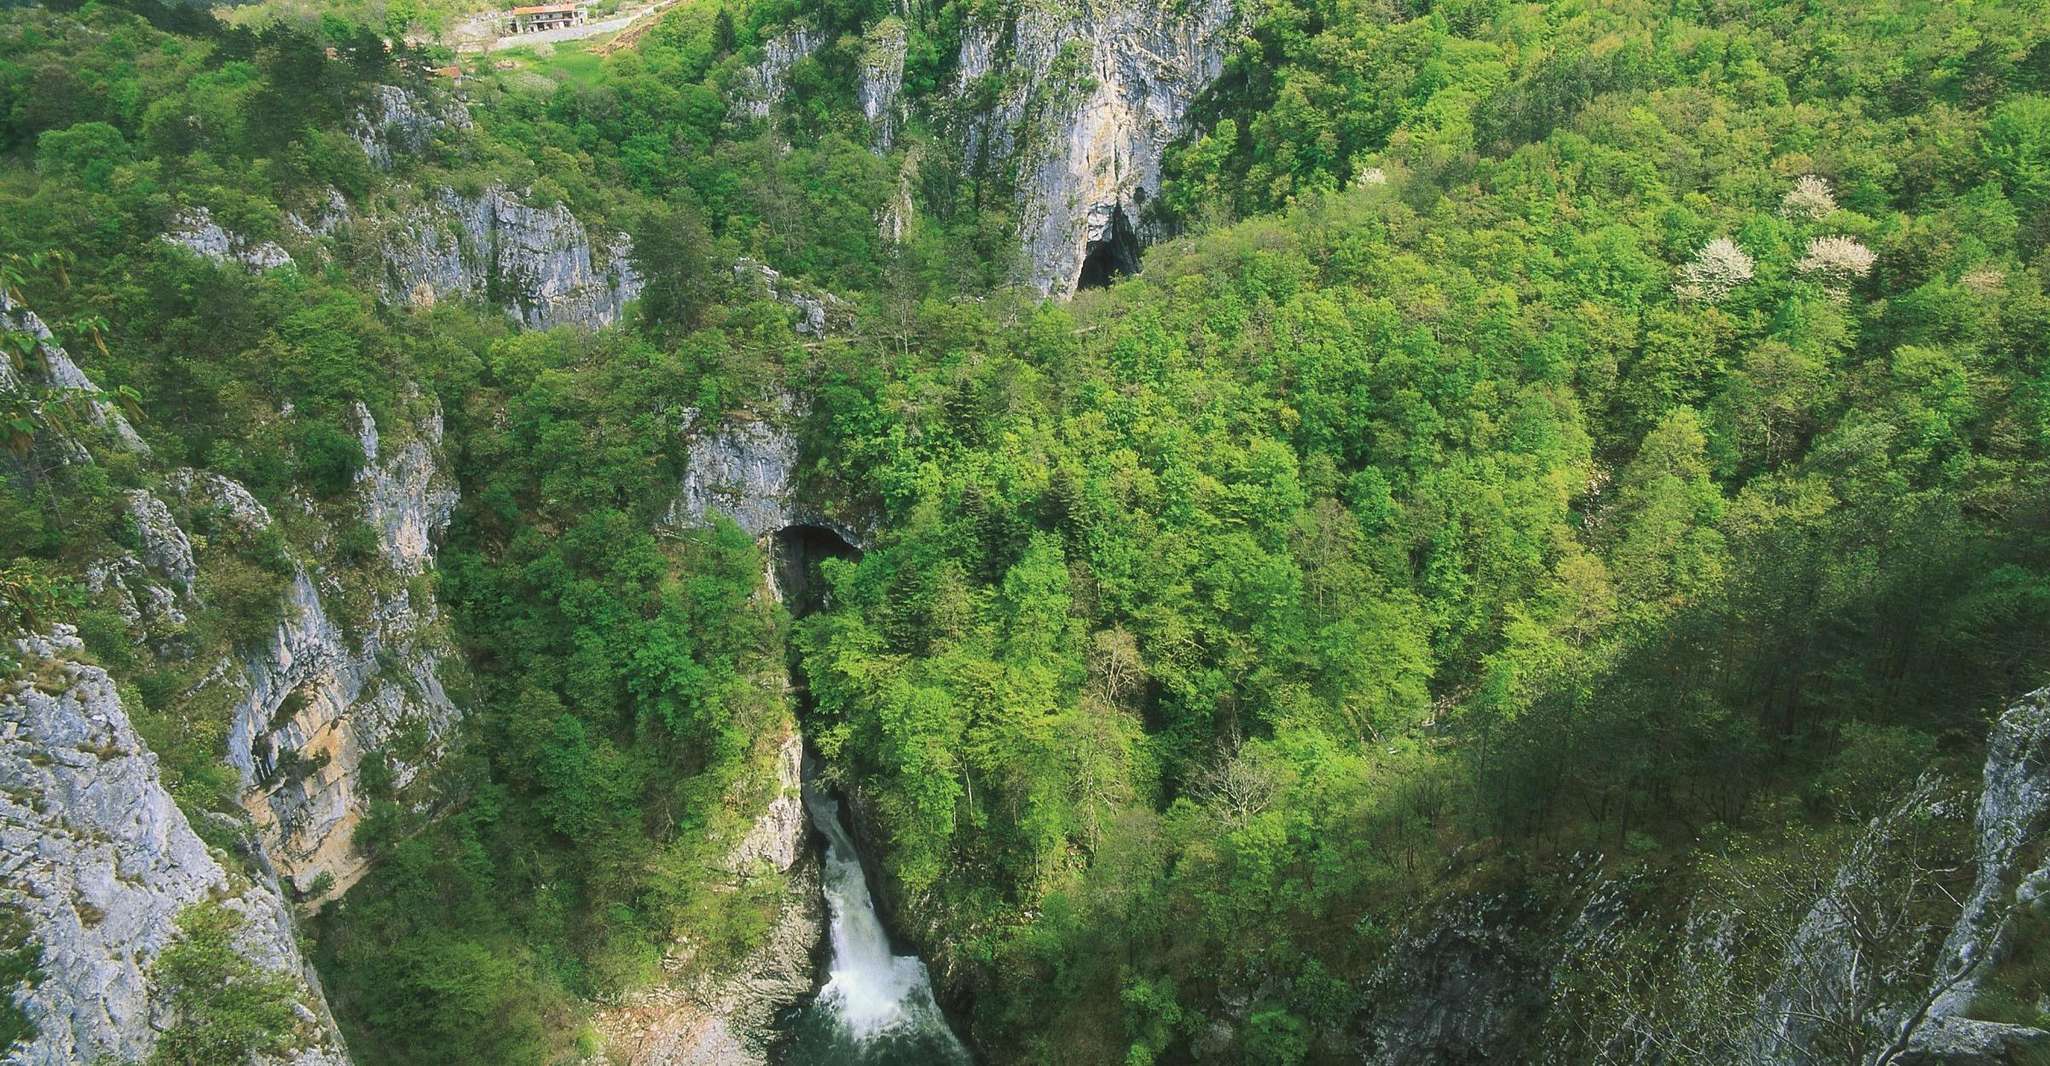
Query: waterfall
[876, 1006]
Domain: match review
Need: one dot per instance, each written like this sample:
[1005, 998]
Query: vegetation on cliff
[1559, 429]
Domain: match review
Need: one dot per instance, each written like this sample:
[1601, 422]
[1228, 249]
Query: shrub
[326, 459]
[227, 1009]
[106, 635]
[249, 602]
[356, 544]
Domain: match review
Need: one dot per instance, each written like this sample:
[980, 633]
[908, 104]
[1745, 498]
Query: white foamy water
[873, 995]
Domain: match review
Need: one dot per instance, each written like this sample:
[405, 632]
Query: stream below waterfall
[873, 1005]
[876, 1006]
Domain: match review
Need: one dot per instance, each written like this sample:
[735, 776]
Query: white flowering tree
[1810, 198]
[1718, 268]
[1837, 262]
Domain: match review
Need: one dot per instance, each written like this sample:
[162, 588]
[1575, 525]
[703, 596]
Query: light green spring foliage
[223, 1007]
[1419, 502]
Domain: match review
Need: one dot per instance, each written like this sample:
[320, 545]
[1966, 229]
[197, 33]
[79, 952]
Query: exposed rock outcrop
[2014, 813]
[1089, 97]
[320, 700]
[51, 368]
[1460, 989]
[99, 860]
[746, 468]
[761, 86]
[407, 498]
[897, 214]
[1869, 960]
[817, 312]
[322, 218]
[398, 122]
[882, 79]
[546, 266]
[699, 1019]
[151, 587]
[195, 230]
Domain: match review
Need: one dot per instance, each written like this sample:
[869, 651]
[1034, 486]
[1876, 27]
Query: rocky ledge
[100, 864]
[727, 1019]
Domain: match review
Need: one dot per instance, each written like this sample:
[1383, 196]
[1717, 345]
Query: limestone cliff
[1088, 98]
[1072, 105]
[315, 704]
[50, 377]
[100, 863]
[745, 467]
[725, 1019]
[761, 86]
[195, 230]
[397, 122]
[882, 79]
[540, 261]
[1877, 959]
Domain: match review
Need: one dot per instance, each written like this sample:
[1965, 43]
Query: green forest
[1541, 438]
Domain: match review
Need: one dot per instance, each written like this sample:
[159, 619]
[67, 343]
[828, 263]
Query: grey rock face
[778, 835]
[1456, 990]
[101, 862]
[54, 370]
[761, 86]
[322, 219]
[399, 122]
[816, 312]
[745, 468]
[896, 216]
[314, 710]
[152, 589]
[406, 496]
[2014, 810]
[742, 469]
[726, 1020]
[1092, 96]
[165, 547]
[1826, 966]
[316, 702]
[234, 501]
[1956, 1041]
[195, 230]
[1873, 963]
[549, 268]
[882, 79]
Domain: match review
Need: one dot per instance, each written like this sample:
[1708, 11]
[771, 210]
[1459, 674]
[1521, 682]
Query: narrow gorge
[1127, 532]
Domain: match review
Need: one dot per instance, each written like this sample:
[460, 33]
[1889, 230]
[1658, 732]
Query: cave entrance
[794, 559]
[1115, 255]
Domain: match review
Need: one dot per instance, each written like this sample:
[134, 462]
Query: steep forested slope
[1529, 566]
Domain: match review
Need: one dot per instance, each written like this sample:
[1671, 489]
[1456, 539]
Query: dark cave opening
[1115, 256]
[796, 554]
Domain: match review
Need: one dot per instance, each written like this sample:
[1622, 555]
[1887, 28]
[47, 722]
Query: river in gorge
[876, 1006]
